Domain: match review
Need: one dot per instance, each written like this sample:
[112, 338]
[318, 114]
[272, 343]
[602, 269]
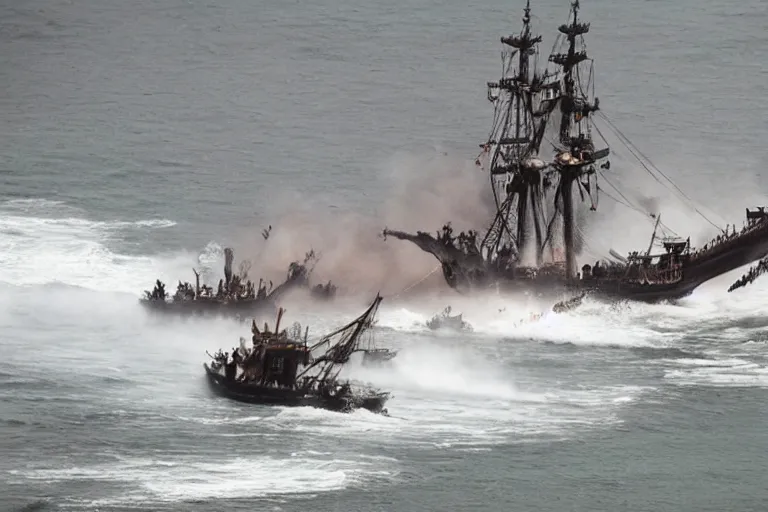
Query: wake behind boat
[280, 369]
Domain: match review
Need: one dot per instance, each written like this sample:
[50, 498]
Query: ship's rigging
[544, 143]
[533, 185]
[521, 174]
[523, 99]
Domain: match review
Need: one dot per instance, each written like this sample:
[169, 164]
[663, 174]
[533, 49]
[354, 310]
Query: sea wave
[47, 242]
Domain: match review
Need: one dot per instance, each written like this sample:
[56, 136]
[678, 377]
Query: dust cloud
[422, 192]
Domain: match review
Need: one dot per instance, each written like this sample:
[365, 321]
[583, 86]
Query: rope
[638, 154]
[629, 204]
[651, 218]
[416, 283]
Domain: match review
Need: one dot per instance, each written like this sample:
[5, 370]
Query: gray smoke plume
[423, 193]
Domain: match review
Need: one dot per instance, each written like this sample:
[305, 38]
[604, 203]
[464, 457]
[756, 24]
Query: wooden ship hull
[378, 356]
[283, 369]
[453, 323]
[695, 270]
[536, 189]
[266, 395]
[245, 307]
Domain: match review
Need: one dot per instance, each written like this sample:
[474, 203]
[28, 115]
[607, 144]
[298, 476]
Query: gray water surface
[138, 135]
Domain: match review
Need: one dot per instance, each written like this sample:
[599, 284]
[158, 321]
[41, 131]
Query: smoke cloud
[423, 193]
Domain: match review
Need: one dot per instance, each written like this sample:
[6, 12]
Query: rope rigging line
[630, 203]
[625, 198]
[635, 208]
[590, 251]
[635, 151]
[416, 283]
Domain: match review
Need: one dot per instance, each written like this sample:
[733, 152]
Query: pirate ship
[235, 293]
[282, 369]
[535, 238]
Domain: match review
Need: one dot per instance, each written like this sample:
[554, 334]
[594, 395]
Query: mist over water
[126, 387]
[424, 191]
[140, 140]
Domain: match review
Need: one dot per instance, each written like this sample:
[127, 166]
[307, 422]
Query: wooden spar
[566, 182]
[537, 224]
[229, 256]
[279, 316]
[522, 217]
[653, 236]
[567, 174]
[345, 346]
[197, 283]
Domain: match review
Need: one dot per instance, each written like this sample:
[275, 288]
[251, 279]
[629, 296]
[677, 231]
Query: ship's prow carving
[463, 265]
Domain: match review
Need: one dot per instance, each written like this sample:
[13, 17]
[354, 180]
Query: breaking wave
[48, 242]
[518, 377]
[158, 480]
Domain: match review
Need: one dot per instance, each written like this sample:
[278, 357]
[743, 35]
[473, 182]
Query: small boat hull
[246, 307]
[379, 356]
[449, 323]
[267, 395]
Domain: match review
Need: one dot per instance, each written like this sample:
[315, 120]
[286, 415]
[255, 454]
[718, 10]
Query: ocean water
[139, 138]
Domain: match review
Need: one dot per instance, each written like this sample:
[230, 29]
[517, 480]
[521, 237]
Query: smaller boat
[377, 356]
[373, 355]
[280, 369]
[235, 294]
[323, 292]
[445, 321]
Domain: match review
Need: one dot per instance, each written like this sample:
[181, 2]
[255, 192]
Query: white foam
[402, 319]
[45, 242]
[187, 479]
[718, 372]
[454, 395]
[741, 377]
[594, 323]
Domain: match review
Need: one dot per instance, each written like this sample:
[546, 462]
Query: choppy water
[139, 138]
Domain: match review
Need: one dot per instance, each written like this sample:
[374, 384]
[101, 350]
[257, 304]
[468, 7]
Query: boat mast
[578, 156]
[514, 141]
[520, 88]
[653, 236]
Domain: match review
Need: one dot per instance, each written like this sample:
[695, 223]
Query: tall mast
[514, 142]
[519, 87]
[570, 104]
[577, 155]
